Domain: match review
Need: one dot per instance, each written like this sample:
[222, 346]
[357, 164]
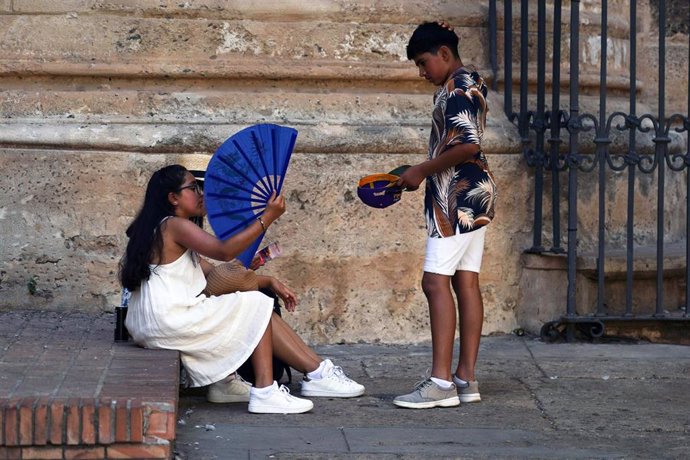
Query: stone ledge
[231, 68]
[644, 262]
[615, 264]
[324, 10]
[167, 138]
[260, 69]
[68, 391]
[541, 302]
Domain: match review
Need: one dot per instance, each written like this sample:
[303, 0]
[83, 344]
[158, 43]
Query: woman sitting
[163, 269]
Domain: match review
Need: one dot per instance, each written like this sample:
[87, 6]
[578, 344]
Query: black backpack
[280, 368]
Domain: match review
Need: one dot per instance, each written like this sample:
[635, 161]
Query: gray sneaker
[469, 392]
[427, 395]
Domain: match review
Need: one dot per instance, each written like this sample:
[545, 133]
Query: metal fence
[566, 146]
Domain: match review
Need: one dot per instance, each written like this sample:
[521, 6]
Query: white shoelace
[340, 375]
[286, 391]
[239, 377]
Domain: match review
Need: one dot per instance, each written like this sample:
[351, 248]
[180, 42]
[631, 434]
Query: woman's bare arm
[188, 235]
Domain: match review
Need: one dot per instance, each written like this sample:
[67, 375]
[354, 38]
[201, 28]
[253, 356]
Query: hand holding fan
[241, 176]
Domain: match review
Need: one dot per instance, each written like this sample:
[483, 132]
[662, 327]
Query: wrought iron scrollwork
[557, 162]
[575, 125]
[618, 162]
[647, 163]
[550, 332]
[534, 157]
[524, 122]
[555, 331]
[538, 123]
[678, 161]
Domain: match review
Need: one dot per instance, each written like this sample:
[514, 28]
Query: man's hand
[411, 178]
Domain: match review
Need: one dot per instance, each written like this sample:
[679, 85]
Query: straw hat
[230, 277]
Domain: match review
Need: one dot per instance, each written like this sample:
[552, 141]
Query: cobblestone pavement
[68, 391]
[582, 400]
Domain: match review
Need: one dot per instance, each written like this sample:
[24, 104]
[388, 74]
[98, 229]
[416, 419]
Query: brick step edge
[128, 451]
[111, 427]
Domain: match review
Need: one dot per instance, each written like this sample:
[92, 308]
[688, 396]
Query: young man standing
[459, 202]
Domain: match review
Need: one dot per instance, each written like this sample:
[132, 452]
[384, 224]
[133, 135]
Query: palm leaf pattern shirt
[459, 199]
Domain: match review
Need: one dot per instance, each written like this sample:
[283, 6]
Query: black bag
[280, 368]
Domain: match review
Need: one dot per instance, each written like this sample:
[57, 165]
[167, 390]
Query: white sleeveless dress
[214, 335]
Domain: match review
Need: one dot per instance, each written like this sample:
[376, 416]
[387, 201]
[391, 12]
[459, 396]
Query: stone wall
[96, 95]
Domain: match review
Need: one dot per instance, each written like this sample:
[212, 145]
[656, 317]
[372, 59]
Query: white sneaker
[236, 390]
[333, 384]
[278, 401]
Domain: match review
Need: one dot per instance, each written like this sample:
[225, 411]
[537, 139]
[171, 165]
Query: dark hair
[429, 37]
[144, 241]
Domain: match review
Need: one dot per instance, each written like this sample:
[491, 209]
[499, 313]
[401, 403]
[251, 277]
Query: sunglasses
[194, 186]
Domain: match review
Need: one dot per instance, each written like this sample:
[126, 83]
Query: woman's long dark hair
[145, 243]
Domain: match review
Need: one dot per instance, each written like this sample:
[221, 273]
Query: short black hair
[429, 37]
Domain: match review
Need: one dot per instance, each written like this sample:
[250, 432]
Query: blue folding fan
[241, 176]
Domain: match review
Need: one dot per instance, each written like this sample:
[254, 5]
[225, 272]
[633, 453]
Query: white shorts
[462, 251]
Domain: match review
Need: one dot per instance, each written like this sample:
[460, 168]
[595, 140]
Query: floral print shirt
[461, 198]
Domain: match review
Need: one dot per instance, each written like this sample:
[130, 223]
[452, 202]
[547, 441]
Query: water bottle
[121, 332]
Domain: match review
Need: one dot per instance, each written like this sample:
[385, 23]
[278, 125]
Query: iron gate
[552, 144]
